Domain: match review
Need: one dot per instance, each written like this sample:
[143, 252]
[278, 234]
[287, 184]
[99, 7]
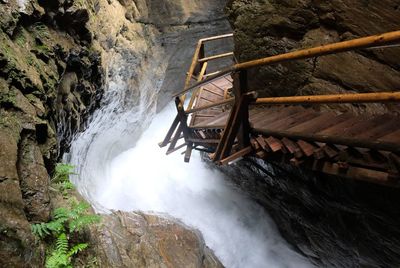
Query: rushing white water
[120, 170]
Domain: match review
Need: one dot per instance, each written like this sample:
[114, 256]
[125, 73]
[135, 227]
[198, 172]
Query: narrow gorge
[90, 83]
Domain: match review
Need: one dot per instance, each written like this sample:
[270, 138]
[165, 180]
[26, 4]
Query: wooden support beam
[170, 132]
[176, 148]
[188, 152]
[204, 141]
[235, 156]
[175, 139]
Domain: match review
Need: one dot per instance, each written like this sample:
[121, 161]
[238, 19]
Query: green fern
[40, 229]
[62, 172]
[58, 260]
[76, 249]
[65, 223]
[82, 222]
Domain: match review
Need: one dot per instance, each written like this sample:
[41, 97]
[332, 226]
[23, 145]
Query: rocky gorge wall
[56, 60]
[50, 81]
[282, 26]
[335, 222]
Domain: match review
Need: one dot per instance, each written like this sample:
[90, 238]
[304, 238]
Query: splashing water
[112, 176]
[144, 178]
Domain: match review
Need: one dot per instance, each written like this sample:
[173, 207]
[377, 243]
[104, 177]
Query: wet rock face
[265, 28]
[334, 222]
[141, 240]
[36, 59]
[53, 56]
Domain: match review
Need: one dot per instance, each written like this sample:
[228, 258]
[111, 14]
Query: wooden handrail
[359, 43]
[196, 57]
[216, 57]
[213, 38]
[365, 42]
[336, 98]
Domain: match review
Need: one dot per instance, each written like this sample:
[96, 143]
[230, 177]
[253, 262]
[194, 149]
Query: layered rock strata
[266, 28]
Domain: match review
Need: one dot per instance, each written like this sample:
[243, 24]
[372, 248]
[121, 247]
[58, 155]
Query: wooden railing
[199, 65]
[237, 127]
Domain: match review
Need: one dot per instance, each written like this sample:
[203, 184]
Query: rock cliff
[50, 81]
[56, 59]
[265, 28]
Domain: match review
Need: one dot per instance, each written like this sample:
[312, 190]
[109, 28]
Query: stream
[120, 167]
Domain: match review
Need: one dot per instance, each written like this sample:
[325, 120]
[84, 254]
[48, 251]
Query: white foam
[236, 228]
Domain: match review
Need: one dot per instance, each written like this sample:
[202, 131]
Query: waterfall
[121, 167]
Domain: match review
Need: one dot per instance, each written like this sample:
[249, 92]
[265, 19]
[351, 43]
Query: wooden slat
[339, 128]
[292, 147]
[273, 143]
[263, 144]
[387, 127]
[319, 123]
[266, 118]
[307, 148]
[393, 137]
[293, 120]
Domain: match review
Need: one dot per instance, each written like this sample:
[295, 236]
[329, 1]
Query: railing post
[238, 122]
[199, 65]
[240, 88]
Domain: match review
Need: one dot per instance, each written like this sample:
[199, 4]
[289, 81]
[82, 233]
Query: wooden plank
[269, 116]
[387, 127]
[363, 125]
[273, 143]
[339, 128]
[293, 120]
[255, 145]
[393, 137]
[319, 123]
[236, 155]
[292, 147]
[263, 144]
[219, 103]
[307, 148]
[209, 90]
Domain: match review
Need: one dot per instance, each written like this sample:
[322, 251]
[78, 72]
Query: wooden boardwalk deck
[228, 122]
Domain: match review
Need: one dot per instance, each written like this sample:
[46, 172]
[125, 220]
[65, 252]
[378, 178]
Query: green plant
[66, 224]
[61, 177]
[62, 172]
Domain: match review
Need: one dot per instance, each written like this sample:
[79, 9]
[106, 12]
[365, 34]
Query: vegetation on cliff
[62, 234]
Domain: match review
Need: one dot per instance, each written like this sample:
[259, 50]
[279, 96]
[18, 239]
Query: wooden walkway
[229, 122]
